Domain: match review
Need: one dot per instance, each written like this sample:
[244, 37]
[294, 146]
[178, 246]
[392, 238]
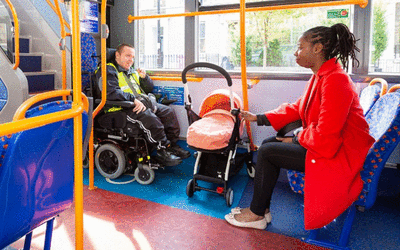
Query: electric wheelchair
[120, 147]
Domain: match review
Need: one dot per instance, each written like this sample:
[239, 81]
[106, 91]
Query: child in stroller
[215, 134]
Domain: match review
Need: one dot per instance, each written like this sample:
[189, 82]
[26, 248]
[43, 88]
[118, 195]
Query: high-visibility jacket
[123, 84]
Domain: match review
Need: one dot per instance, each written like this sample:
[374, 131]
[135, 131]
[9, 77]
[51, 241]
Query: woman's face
[305, 56]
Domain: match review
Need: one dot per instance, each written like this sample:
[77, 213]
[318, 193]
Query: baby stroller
[215, 134]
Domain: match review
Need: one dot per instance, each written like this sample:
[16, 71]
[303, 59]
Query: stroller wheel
[190, 188]
[229, 197]
[110, 161]
[145, 175]
[251, 170]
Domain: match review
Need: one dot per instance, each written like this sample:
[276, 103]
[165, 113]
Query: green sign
[343, 13]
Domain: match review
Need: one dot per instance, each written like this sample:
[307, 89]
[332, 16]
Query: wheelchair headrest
[111, 54]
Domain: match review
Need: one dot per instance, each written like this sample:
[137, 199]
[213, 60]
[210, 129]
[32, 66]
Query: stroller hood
[219, 99]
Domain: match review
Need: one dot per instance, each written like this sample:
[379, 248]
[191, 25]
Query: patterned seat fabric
[89, 59]
[3, 148]
[384, 122]
[296, 181]
[369, 96]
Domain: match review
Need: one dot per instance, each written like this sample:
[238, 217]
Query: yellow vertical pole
[104, 35]
[76, 62]
[243, 66]
[91, 161]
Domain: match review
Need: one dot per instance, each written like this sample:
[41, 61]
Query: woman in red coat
[333, 144]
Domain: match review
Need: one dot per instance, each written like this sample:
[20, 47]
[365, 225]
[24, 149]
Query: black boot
[178, 151]
[167, 159]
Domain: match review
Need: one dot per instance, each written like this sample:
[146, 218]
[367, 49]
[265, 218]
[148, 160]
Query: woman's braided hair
[337, 41]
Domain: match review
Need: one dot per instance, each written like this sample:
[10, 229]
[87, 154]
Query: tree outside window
[379, 36]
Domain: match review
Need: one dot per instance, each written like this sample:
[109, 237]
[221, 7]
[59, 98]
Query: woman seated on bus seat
[331, 148]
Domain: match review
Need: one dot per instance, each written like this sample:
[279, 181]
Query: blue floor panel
[376, 228]
[169, 188]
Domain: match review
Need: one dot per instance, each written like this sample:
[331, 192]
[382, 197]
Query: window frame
[362, 19]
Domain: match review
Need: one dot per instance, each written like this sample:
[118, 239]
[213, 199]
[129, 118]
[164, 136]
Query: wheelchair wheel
[110, 161]
[145, 176]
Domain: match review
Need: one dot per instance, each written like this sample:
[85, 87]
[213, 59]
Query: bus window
[161, 41]
[385, 37]
[271, 36]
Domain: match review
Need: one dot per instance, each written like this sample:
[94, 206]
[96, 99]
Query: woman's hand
[248, 116]
[285, 139]
[139, 106]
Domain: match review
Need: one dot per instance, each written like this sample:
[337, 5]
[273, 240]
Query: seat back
[371, 94]
[384, 123]
[36, 173]
[89, 58]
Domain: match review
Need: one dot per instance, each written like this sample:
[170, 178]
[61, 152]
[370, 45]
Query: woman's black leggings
[271, 157]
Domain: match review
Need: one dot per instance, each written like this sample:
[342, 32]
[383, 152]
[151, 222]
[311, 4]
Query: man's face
[126, 58]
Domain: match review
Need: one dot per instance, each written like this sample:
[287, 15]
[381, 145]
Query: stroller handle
[206, 65]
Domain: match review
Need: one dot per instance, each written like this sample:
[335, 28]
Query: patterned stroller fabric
[213, 131]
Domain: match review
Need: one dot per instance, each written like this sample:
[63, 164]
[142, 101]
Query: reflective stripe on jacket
[134, 78]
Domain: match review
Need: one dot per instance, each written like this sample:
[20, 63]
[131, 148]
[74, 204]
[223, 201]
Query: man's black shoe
[178, 151]
[166, 158]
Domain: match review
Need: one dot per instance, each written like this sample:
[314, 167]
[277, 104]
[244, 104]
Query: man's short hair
[121, 47]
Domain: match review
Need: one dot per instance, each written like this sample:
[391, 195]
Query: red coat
[337, 140]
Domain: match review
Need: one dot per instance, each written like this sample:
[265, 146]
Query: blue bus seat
[36, 173]
[371, 94]
[384, 123]
[89, 60]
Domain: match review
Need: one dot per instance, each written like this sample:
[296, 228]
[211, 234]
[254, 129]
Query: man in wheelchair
[157, 121]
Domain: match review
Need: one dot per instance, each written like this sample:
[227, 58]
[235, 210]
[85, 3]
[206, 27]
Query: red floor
[115, 221]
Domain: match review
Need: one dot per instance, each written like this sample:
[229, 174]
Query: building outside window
[161, 41]
[385, 37]
[271, 36]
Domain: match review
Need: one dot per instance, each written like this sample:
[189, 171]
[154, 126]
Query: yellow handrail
[394, 88]
[361, 3]
[55, 10]
[103, 93]
[38, 121]
[20, 113]
[383, 83]
[21, 123]
[62, 47]
[176, 78]
[243, 66]
[16, 34]
[242, 10]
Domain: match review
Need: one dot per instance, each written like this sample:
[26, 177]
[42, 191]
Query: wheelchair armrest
[123, 104]
[289, 127]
